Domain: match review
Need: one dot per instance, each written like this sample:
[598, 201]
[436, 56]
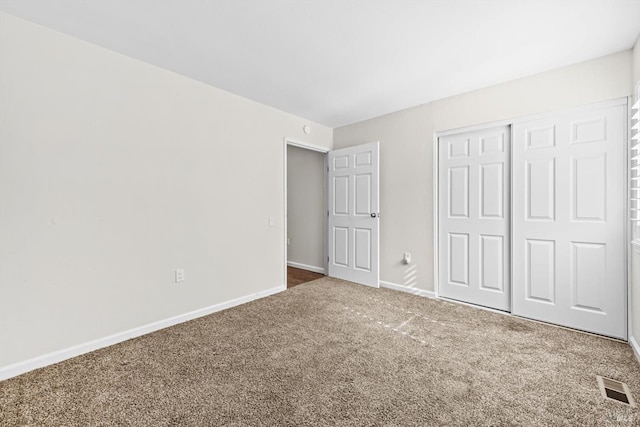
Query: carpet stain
[518, 326]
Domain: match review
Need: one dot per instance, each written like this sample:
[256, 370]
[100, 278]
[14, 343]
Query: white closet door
[568, 220]
[474, 251]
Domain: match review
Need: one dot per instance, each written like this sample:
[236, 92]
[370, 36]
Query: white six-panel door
[568, 220]
[353, 214]
[473, 213]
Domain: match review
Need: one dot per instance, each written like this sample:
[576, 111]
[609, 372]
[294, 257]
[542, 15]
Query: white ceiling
[341, 61]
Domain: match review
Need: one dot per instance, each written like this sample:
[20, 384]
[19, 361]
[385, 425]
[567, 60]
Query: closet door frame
[625, 203]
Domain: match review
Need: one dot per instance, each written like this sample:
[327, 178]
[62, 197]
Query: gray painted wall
[305, 206]
[113, 173]
[407, 139]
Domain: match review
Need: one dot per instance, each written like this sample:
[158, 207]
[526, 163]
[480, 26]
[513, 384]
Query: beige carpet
[334, 353]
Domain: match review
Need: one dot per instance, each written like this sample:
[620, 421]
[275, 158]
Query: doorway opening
[305, 212]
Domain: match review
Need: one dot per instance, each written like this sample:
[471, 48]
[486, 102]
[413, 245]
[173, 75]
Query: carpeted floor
[333, 353]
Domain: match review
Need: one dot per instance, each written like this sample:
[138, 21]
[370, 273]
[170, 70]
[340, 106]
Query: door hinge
[327, 213]
[327, 259]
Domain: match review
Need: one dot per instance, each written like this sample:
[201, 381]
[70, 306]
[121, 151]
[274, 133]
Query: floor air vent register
[615, 390]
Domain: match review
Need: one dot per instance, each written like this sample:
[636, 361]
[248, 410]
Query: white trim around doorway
[307, 146]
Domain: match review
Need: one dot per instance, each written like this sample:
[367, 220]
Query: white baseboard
[306, 267]
[407, 289]
[635, 347]
[77, 350]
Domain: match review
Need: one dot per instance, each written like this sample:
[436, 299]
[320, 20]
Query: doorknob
[373, 215]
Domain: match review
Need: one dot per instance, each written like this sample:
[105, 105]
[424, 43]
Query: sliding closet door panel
[568, 220]
[474, 248]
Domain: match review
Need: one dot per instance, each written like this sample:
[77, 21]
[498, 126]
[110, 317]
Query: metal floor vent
[615, 390]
